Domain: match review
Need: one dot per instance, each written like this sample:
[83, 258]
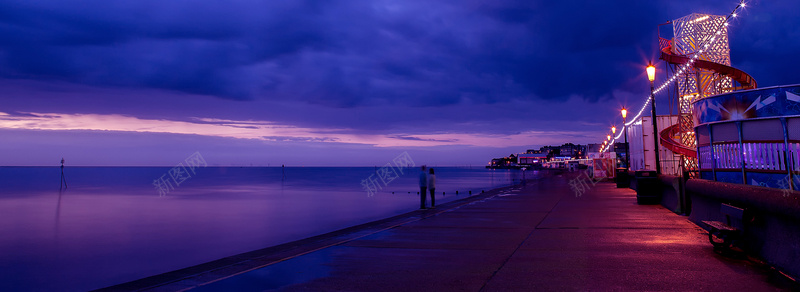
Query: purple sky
[330, 83]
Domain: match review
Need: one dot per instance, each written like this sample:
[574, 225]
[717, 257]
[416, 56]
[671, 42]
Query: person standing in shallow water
[423, 187]
[432, 187]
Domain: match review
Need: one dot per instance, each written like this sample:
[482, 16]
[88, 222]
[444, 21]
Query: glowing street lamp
[625, 128]
[651, 72]
[651, 75]
[613, 132]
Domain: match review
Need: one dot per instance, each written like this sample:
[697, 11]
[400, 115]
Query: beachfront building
[504, 162]
[572, 150]
[593, 148]
[566, 150]
[750, 137]
[537, 158]
[641, 145]
[550, 150]
[532, 159]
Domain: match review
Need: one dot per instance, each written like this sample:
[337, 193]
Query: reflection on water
[110, 226]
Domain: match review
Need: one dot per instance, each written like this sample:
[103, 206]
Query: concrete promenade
[540, 237]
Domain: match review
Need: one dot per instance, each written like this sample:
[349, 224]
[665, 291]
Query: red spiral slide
[746, 81]
[670, 137]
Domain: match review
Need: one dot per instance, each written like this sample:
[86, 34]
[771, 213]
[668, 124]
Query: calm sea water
[111, 226]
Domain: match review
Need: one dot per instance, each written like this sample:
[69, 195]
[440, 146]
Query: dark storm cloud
[337, 54]
[197, 47]
[346, 54]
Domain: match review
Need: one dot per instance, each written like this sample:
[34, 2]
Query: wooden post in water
[63, 179]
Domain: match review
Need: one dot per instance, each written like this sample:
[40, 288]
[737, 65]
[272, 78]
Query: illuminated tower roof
[695, 29]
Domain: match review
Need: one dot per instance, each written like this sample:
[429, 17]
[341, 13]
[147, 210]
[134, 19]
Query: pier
[541, 236]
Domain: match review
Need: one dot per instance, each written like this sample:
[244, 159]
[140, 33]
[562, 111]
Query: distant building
[504, 162]
[550, 150]
[531, 159]
[572, 150]
[593, 148]
[534, 158]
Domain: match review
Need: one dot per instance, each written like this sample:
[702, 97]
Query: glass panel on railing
[763, 130]
[725, 132]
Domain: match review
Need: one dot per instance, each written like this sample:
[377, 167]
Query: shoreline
[240, 263]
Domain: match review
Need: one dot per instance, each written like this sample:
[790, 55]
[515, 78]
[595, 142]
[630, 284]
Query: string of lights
[718, 31]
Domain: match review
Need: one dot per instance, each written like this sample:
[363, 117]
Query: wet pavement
[540, 237]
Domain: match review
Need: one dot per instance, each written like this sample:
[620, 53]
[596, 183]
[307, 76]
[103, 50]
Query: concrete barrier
[773, 234]
[671, 192]
[633, 185]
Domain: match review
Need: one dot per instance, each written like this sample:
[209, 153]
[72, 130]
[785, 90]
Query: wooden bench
[724, 230]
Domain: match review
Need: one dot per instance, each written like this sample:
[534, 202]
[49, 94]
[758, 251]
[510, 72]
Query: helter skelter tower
[710, 74]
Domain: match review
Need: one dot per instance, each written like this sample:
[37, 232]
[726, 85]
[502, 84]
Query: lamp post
[614, 133]
[625, 128]
[651, 75]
